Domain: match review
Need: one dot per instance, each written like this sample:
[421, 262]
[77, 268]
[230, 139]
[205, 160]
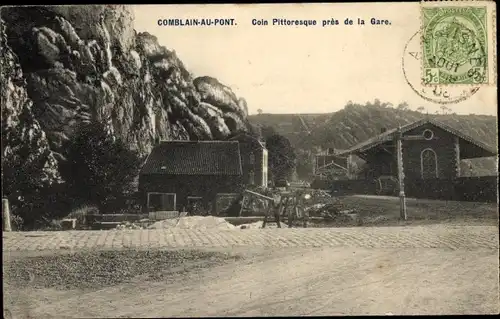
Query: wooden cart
[285, 205]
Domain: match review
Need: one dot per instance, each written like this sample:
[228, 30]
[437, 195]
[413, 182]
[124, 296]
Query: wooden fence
[473, 189]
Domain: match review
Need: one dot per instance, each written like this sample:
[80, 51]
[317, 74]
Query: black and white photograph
[228, 160]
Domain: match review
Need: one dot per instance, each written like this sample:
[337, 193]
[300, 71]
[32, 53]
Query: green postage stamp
[455, 44]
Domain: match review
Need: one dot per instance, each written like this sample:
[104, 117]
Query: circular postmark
[454, 45]
[438, 93]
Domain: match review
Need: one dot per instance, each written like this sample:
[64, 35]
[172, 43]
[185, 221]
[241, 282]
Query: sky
[316, 69]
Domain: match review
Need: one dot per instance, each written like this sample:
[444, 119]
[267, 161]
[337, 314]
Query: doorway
[195, 206]
[161, 202]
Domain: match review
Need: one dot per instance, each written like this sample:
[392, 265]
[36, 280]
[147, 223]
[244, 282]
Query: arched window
[428, 164]
[251, 177]
[252, 158]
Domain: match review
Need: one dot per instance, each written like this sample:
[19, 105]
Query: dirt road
[304, 281]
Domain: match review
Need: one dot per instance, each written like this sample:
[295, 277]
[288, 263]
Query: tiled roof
[194, 158]
[390, 134]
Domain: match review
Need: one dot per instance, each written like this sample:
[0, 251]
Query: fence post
[6, 215]
[401, 174]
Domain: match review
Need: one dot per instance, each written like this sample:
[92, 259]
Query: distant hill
[356, 123]
[291, 126]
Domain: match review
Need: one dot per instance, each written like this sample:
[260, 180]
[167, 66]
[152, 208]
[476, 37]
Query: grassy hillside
[356, 123]
[291, 126]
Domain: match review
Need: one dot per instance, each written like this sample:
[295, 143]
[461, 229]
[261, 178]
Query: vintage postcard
[238, 160]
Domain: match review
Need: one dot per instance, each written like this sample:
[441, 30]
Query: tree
[253, 130]
[304, 164]
[267, 131]
[259, 111]
[444, 109]
[421, 109]
[281, 156]
[99, 169]
[402, 106]
[25, 186]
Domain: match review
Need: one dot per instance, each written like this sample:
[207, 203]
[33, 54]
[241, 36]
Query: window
[428, 163]
[264, 178]
[161, 202]
[251, 158]
[251, 177]
[428, 134]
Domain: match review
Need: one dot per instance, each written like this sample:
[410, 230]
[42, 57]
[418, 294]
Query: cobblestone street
[438, 269]
[436, 236]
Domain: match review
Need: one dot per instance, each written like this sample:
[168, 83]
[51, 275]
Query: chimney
[383, 130]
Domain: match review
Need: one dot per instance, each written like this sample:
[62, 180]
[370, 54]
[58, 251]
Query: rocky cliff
[65, 65]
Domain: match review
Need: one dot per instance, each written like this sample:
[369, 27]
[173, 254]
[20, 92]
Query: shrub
[99, 169]
[281, 160]
[16, 222]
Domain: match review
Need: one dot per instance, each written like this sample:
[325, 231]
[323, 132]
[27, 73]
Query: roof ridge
[378, 139]
[180, 157]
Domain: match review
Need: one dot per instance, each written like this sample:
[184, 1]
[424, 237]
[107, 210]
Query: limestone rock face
[66, 65]
[25, 147]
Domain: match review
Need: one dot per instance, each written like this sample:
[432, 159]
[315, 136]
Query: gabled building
[327, 164]
[431, 150]
[190, 176]
[254, 159]
[431, 154]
